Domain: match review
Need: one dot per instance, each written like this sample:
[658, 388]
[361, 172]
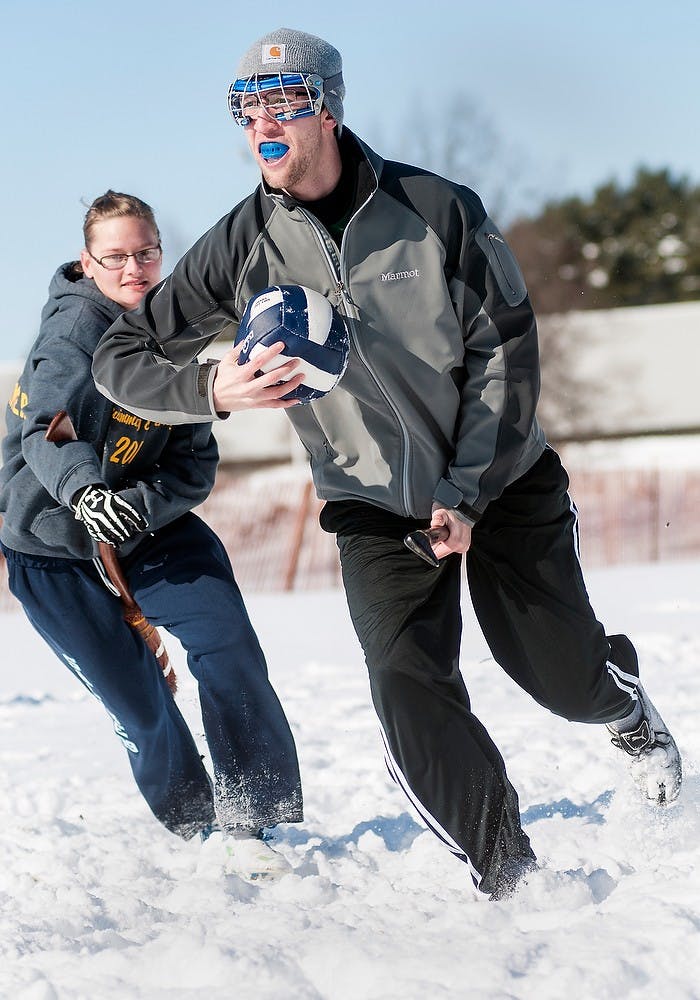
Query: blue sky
[133, 97]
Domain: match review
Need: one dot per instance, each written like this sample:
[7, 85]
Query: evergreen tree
[625, 246]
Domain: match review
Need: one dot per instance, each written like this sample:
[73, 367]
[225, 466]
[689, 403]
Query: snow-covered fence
[268, 522]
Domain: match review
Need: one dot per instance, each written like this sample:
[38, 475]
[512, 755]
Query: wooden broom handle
[61, 429]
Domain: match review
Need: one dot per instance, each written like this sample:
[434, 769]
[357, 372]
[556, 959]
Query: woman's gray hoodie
[163, 471]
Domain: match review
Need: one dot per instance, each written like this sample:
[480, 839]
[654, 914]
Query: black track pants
[529, 595]
[530, 599]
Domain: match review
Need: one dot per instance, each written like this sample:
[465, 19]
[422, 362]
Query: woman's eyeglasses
[116, 261]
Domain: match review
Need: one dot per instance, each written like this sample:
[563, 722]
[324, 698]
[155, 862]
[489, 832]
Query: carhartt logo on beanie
[289, 51]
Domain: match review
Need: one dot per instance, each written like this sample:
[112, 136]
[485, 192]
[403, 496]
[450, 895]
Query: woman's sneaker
[247, 855]
[652, 754]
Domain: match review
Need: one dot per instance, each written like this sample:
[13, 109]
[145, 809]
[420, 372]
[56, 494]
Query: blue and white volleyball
[311, 330]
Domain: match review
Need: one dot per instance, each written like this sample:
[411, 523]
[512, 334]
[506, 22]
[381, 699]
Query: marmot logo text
[399, 275]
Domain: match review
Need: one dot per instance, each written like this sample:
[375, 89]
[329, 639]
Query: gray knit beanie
[289, 51]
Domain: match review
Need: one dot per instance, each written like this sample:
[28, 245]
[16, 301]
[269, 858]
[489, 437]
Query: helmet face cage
[257, 91]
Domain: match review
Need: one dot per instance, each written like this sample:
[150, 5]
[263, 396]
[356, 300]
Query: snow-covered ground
[97, 901]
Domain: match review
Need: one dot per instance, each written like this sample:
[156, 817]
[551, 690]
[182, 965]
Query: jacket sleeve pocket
[502, 262]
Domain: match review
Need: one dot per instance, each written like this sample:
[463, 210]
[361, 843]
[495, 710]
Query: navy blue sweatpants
[183, 581]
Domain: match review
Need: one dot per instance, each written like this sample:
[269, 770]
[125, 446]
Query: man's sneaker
[247, 855]
[652, 754]
[512, 875]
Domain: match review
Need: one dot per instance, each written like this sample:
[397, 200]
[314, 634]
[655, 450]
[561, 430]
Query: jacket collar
[368, 164]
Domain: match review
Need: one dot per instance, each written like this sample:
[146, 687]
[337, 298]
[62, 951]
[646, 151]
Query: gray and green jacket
[438, 399]
[163, 471]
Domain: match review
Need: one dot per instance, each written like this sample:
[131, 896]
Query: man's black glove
[106, 515]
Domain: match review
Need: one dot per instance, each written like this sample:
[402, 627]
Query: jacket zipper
[343, 295]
